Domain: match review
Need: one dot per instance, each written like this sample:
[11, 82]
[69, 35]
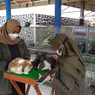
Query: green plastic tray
[34, 73]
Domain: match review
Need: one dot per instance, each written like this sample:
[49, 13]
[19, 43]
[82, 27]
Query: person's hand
[55, 56]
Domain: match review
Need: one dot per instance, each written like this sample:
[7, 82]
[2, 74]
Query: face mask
[13, 36]
[60, 50]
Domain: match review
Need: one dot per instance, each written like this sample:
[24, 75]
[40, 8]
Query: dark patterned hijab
[6, 29]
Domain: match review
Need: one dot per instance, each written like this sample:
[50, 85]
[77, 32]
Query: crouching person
[70, 75]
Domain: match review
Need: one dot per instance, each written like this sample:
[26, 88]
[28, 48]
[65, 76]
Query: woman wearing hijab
[70, 75]
[11, 46]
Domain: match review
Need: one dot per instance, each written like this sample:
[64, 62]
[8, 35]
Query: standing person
[70, 75]
[11, 47]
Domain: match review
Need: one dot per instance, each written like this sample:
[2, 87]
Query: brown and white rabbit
[20, 66]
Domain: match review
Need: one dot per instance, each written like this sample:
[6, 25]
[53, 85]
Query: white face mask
[13, 36]
[60, 49]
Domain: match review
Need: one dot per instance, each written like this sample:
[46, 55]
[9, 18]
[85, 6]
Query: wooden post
[82, 4]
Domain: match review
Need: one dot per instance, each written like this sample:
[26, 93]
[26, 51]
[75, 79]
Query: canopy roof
[89, 4]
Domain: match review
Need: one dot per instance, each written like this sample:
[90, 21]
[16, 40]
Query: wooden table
[23, 79]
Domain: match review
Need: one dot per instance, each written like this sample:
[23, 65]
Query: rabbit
[45, 62]
[20, 66]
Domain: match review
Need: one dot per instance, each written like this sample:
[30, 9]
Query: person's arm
[3, 62]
